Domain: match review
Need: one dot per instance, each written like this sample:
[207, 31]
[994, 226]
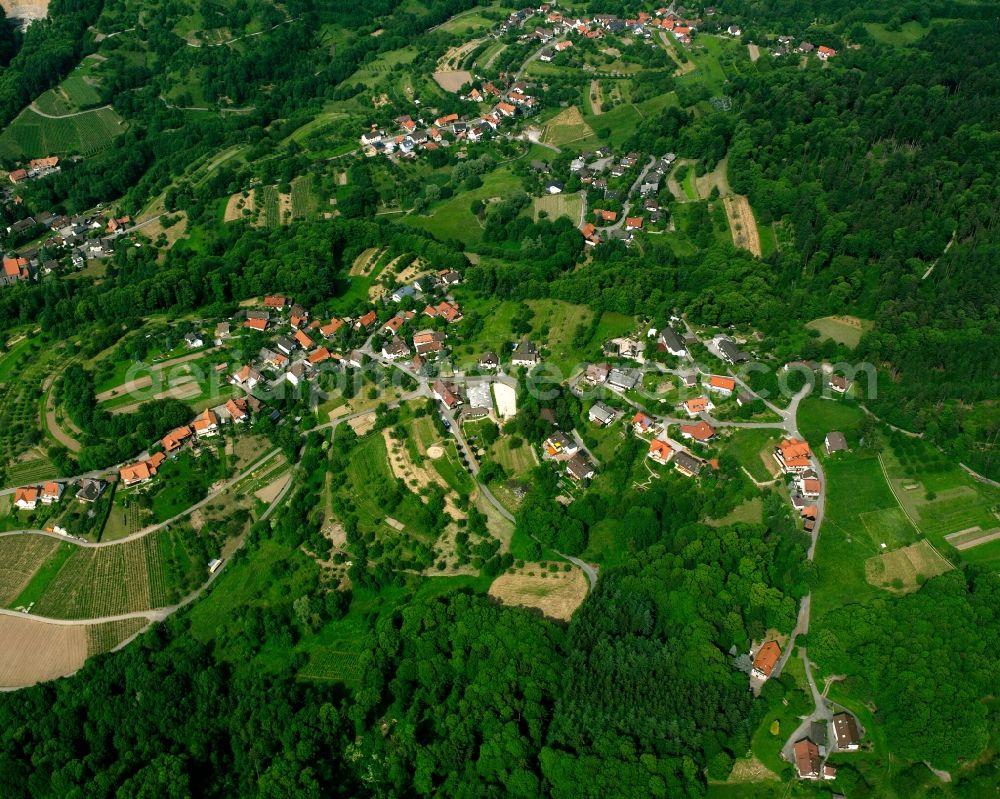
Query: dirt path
[595, 97]
[41, 113]
[742, 223]
[50, 422]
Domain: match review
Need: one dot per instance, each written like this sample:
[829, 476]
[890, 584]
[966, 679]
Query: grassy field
[452, 219]
[515, 461]
[749, 512]
[909, 33]
[72, 95]
[846, 330]
[556, 205]
[567, 126]
[817, 417]
[34, 136]
[747, 446]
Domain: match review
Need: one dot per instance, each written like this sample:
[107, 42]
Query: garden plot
[904, 570]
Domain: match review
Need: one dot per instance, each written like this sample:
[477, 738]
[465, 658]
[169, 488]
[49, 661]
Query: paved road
[627, 205]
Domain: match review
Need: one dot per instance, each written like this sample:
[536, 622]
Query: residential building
[835, 442]
[247, 377]
[792, 455]
[597, 373]
[807, 760]
[702, 431]
[730, 352]
[26, 498]
[395, 349]
[601, 413]
[641, 423]
[766, 659]
[660, 451]
[622, 379]
[698, 405]
[687, 464]
[90, 490]
[445, 310]
[51, 492]
[206, 423]
[845, 730]
[580, 468]
[193, 340]
[559, 444]
[175, 439]
[840, 384]
[673, 343]
[489, 362]
[525, 354]
[721, 385]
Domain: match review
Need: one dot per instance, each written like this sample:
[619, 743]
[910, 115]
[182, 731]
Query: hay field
[846, 330]
[567, 126]
[899, 569]
[556, 594]
[557, 205]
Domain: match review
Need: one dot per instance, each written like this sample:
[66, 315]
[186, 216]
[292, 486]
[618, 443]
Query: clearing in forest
[556, 594]
[904, 570]
[846, 330]
[567, 126]
[742, 223]
[240, 205]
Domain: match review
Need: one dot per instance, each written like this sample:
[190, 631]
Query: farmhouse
[824, 53]
[807, 762]
[792, 455]
[660, 451]
[835, 442]
[601, 413]
[721, 385]
[765, 661]
[845, 730]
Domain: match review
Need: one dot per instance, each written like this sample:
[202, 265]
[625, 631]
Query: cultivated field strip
[20, 557]
[105, 637]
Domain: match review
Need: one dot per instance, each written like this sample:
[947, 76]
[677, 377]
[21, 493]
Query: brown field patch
[363, 264]
[271, 491]
[556, 594]
[904, 565]
[237, 204]
[452, 60]
[742, 223]
[417, 477]
[754, 51]
[750, 769]
[35, 651]
[452, 80]
[567, 126]
[171, 233]
[363, 424]
[972, 537]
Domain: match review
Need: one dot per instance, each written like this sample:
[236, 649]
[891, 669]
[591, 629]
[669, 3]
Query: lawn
[817, 417]
[747, 445]
[908, 34]
[556, 205]
[452, 219]
[749, 512]
[515, 461]
[861, 514]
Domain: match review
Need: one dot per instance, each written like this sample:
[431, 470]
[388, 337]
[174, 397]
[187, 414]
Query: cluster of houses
[81, 238]
[415, 135]
[810, 752]
[37, 168]
[562, 448]
[88, 491]
[786, 45]
[644, 24]
[607, 224]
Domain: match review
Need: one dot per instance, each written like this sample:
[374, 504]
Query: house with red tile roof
[792, 455]
[641, 423]
[26, 498]
[206, 423]
[823, 52]
[721, 385]
[366, 321]
[260, 325]
[175, 439]
[766, 659]
[698, 405]
[660, 451]
[319, 356]
[332, 327]
[275, 301]
[51, 491]
[606, 216]
[702, 431]
[445, 310]
[633, 223]
[303, 340]
[807, 759]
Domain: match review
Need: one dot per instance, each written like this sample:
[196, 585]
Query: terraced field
[20, 558]
[31, 135]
